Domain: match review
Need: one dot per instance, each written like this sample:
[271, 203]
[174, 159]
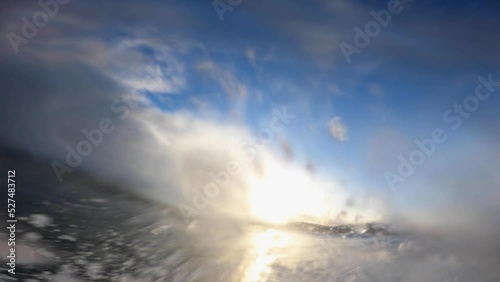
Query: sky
[184, 84]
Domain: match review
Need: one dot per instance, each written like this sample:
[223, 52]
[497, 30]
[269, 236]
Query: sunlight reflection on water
[275, 255]
[265, 249]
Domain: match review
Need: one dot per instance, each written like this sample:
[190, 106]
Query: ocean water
[87, 231]
[98, 239]
[117, 238]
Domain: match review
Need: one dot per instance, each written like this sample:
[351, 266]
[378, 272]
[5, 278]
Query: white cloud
[226, 80]
[158, 72]
[337, 129]
[189, 149]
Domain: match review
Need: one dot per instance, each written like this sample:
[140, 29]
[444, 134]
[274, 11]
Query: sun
[285, 193]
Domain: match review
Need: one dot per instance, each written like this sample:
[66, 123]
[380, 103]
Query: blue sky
[178, 59]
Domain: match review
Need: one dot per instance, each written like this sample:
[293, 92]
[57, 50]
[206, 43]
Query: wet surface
[81, 230]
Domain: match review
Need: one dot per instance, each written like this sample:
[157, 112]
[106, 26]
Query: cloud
[225, 79]
[201, 104]
[157, 155]
[165, 154]
[337, 129]
[159, 73]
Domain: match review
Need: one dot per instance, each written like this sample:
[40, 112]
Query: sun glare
[285, 193]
